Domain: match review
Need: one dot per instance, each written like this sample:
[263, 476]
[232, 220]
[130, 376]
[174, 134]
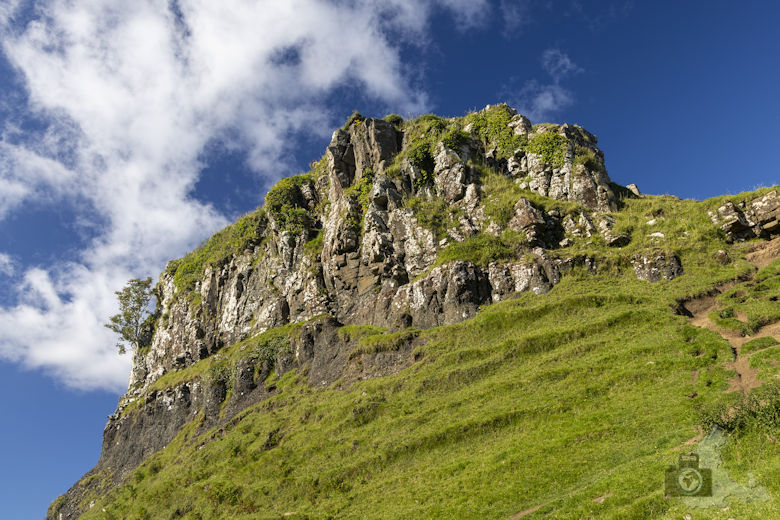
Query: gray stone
[655, 266]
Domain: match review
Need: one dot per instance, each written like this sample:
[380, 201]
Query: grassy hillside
[565, 405]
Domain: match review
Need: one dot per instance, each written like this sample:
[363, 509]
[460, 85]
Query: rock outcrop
[657, 266]
[398, 228]
[757, 218]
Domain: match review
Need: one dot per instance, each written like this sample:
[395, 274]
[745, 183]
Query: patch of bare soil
[764, 253]
[526, 512]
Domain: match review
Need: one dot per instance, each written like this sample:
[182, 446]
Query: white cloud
[6, 265]
[516, 15]
[540, 101]
[558, 64]
[133, 93]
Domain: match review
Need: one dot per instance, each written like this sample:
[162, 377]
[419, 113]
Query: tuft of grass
[491, 127]
[394, 119]
[478, 249]
[313, 248]
[386, 342]
[758, 344]
[587, 158]
[286, 205]
[759, 410]
[349, 333]
[217, 250]
[434, 214]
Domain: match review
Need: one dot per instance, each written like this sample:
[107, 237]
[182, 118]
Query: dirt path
[700, 308]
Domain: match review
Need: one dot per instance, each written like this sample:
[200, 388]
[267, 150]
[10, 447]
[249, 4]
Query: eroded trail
[746, 377]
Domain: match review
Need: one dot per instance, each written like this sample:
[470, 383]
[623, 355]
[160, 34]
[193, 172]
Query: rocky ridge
[400, 226]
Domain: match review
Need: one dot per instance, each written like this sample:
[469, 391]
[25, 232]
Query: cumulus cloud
[540, 101]
[131, 94]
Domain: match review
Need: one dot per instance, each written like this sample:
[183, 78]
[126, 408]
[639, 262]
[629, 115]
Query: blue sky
[129, 131]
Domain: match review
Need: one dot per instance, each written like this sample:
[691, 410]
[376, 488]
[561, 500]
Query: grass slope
[543, 401]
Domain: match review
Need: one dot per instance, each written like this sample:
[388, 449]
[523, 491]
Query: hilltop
[454, 318]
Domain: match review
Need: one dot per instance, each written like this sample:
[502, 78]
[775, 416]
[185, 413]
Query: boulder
[657, 266]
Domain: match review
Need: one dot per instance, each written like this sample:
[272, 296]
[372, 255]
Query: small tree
[133, 309]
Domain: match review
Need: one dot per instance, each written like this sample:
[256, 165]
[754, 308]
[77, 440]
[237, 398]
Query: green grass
[286, 205]
[500, 194]
[550, 146]
[216, 251]
[478, 249]
[548, 401]
[371, 344]
[434, 214]
[349, 333]
[490, 127]
[757, 298]
[758, 344]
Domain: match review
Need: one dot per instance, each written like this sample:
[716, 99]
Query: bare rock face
[375, 262]
[528, 220]
[757, 218]
[655, 266]
[451, 175]
[586, 184]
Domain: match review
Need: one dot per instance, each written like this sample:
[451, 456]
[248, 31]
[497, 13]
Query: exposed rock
[633, 189]
[583, 227]
[528, 220]
[450, 174]
[605, 225]
[722, 257]
[520, 124]
[655, 266]
[758, 218]
[360, 255]
[538, 276]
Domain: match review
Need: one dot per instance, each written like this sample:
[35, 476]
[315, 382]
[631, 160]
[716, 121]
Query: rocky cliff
[400, 226]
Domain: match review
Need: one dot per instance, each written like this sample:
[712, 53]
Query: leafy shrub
[454, 139]
[420, 156]
[286, 205]
[550, 146]
[362, 188]
[394, 119]
[492, 128]
[355, 118]
[313, 247]
[221, 373]
[586, 157]
[434, 122]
